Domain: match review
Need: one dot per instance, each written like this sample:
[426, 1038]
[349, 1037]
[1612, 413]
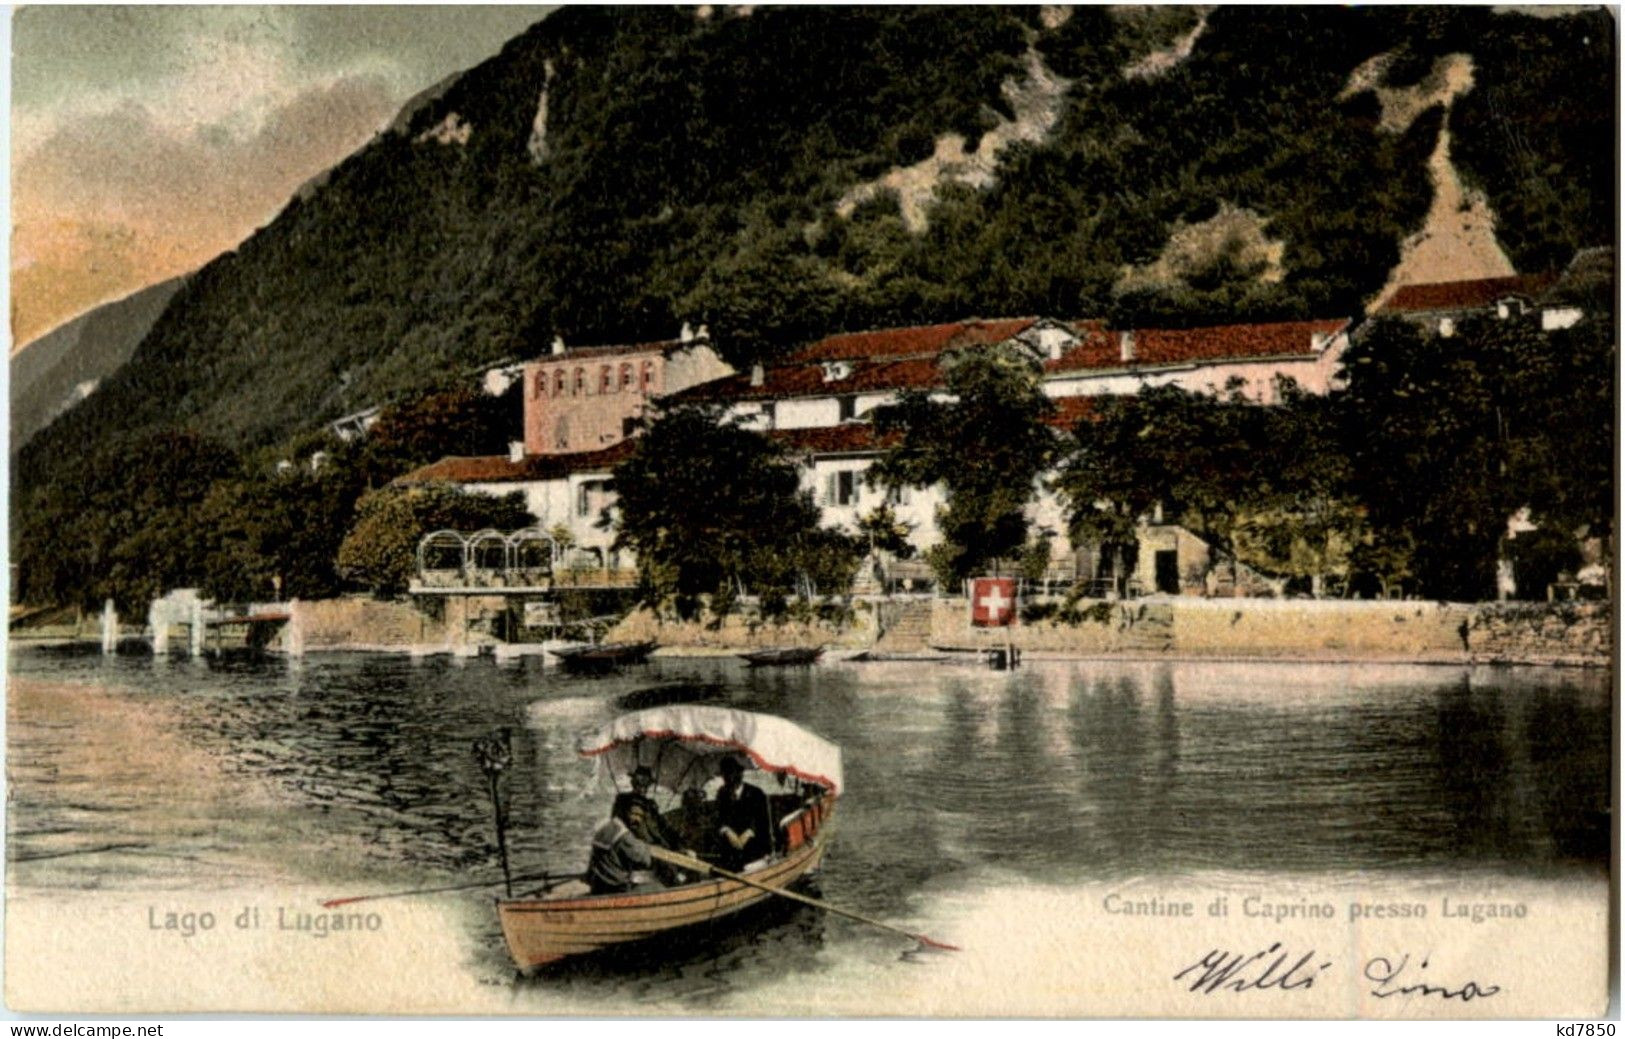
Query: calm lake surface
[356, 771]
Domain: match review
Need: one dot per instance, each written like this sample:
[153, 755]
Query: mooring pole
[109, 627]
[494, 754]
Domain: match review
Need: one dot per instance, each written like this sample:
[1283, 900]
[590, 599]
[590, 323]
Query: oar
[334, 903]
[701, 866]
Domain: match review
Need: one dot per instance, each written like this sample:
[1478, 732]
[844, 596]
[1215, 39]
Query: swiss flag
[992, 602]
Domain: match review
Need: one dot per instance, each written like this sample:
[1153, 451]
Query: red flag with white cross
[992, 602]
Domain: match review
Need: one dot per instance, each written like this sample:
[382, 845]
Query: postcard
[1065, 512]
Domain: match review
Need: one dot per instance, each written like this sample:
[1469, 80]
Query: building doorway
[1167, 563]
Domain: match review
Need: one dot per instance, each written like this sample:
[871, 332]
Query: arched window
[558, 383]
[539, 385]
[581, 382]
[626, 378]
[606, 380]
[648, 376]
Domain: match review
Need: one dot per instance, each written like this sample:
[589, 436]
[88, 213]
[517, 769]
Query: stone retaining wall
[355, 623]
[740, 632]
[1577, 634]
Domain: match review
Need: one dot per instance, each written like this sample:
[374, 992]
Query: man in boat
[744, 821]
[648, 825]
[696, 823]
[651, 827]
[617, 853]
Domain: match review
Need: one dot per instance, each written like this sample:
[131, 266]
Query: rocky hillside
[779, 172]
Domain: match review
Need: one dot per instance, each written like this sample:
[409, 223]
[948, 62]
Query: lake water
[355, 772]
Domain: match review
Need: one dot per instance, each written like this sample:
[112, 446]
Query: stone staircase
[905, 627]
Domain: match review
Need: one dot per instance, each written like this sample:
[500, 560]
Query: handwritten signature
[1391, 980]
[1221, 970]
[1238, 972]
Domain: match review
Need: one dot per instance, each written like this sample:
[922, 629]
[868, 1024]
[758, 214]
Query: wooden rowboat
[790, 656]
[570, 921]
[682, 746]
[604, 656]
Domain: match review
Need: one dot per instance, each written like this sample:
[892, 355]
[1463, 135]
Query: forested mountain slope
[778, 173]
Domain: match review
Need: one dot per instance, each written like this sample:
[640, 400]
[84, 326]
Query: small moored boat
[603, 656]
[684, 746]
[790, 656]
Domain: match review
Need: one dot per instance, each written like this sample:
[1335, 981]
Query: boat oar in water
[334, 903]
[700, 866]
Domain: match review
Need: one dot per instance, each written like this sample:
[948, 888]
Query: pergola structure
[487, 559]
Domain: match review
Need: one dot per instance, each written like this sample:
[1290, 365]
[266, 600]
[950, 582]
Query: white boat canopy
[683, 745]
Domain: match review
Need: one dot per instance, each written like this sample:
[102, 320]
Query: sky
[147, 140]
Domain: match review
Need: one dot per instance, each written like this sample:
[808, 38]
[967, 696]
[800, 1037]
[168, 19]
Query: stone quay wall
[327, 625]
[743, 631]
[1579, 634]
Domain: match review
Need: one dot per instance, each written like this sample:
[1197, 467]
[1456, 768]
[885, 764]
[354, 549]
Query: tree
[986, 444]
[430, 427]
[709, 507]
[1452, 435]
[125, 525]
[380, 551]
[1100, 481]
[1188, 452]
[1299, 518]
[1264, 485]
[276, 535]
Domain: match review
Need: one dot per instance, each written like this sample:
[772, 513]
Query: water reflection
[1058, 773]
[1565, 760]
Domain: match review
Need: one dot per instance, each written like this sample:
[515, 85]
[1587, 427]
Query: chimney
[558, 345]
[516, 450]
[703, 335]
[1125, 342]
[686, 335]
[1317, 342]
[758, 374]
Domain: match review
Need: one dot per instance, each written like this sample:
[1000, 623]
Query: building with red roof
[588, 398]
[1462, 297]
[817, 401]
[1442, 304]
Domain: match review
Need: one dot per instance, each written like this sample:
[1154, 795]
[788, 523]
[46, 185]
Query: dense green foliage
[380, 551]
[1535, 131]
[1265, 486]
[122, 526]
[713, 509]
[1449, 436]
[148, 513]
[987, 446]
[1404, 480]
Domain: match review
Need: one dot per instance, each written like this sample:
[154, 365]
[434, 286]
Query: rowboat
[790, 656]
[603, 656]
[684, 745]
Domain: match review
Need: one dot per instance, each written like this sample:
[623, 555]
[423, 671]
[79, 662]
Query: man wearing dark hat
[642, 814]
[744, 821]
[617, 852]
[643, 818]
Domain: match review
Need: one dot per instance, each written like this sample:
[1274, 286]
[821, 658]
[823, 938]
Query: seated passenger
[695, 823]
[617, 852]
[745, 822]
[652, 827]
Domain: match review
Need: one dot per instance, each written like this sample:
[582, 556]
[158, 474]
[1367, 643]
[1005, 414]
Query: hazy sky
[147, 140]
